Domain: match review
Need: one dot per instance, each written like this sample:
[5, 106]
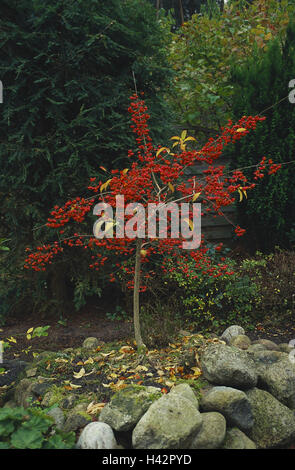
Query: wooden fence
[217, 229]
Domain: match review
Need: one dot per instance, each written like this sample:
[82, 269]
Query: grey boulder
[212, 432]
[97, 436]
[274, 423]
[169, 423]
[226, 365]
[236, 439]
[232, 403]
[127, 407]
[231, 331]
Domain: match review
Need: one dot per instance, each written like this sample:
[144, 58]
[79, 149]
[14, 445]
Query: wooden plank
[217, 233]
[207, 221]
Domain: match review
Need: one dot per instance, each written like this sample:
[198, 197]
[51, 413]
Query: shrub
[212, 303]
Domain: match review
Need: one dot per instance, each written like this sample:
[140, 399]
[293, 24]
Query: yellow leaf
[139, 368]
[120, 357]
[241, 192]
[171, 187]
[108, 354]
[143, 252]
[94, 408]
[75, 386]
[113, 375]
[175, 143]
[29, 336]
[89, 361]
[108, 182]
[183, 135]
[197, 371]
[59, 359]
[241, 129]
[190, 223]
[105, 185]
[79, 374]
[175, 138]
[189, 138]
[125, 171]
[195, 196]
[169, 383]
[126, 349]
[30, 330]
[11, 339]
[162, 150]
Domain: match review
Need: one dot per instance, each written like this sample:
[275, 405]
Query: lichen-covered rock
[58, 416]
[77, 418]
[232, 403]
[23, 394]
[240, 341]
[279, 379]
[274, 423]
[267, 344]
[253, 348]
[285, 347]
[97, 436]
[236, 439]
[90, 343]
[127, 406]
[265, 359]
[231, 331]
[169, 423]
[212, 432]
[226, 365]
[186, 391]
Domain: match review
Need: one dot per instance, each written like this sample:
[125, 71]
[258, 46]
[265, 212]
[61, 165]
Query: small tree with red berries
[156, 176]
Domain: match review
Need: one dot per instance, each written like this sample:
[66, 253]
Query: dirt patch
[70, 332]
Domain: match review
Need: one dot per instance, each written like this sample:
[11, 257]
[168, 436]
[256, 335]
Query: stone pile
[248, 402]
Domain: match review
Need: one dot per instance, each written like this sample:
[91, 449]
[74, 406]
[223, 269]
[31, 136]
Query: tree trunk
[181, 12]
[158, 8]
[137, 331]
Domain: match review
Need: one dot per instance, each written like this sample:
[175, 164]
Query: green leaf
[12, 413]
[4, 445]
[6, 427]
[38, 423]
[24, 439]
[40, 331]
[61, 441]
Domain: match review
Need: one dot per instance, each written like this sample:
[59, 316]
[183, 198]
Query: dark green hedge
[268, 214]
[66, 68]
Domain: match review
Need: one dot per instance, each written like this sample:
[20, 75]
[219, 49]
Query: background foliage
[202, 51]
[67, 69]
[263, 81]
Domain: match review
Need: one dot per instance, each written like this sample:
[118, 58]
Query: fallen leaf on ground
[93, 407]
